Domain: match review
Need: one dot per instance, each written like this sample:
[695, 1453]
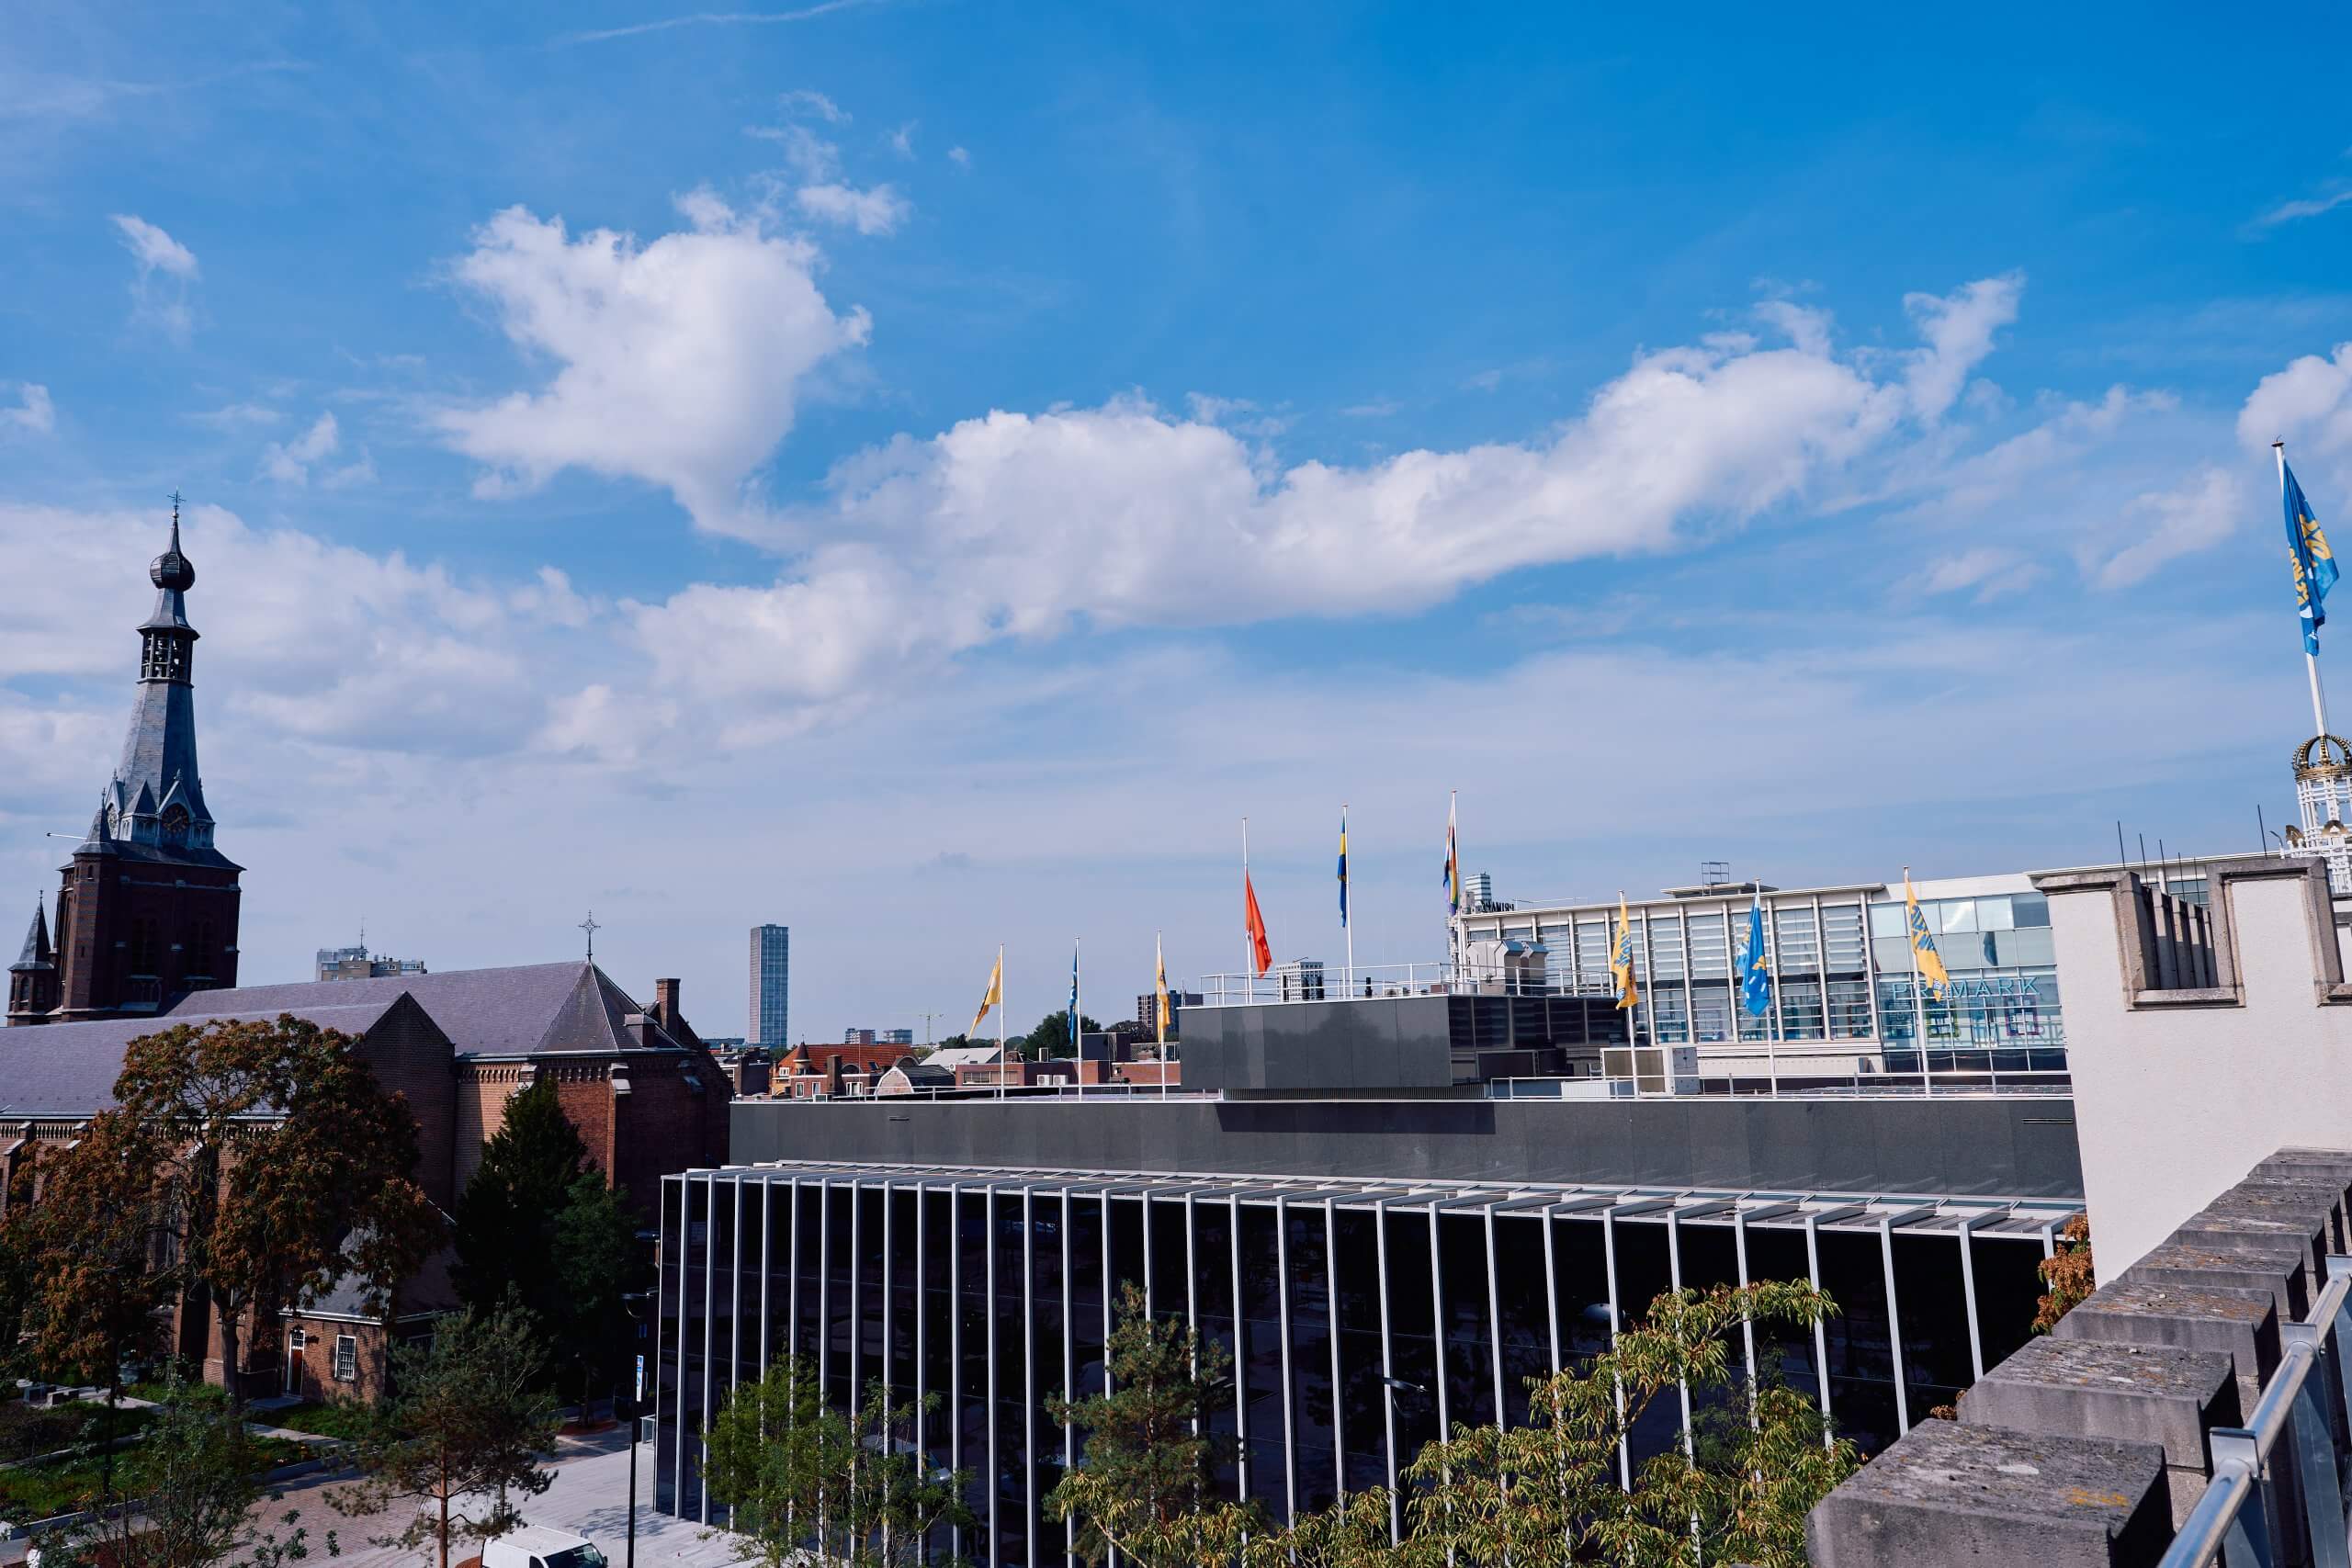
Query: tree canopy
[799, 1477]
[462, 1434]
[1049, 1037]
[1543, 1494]
[264, 1161]
[537, 1228]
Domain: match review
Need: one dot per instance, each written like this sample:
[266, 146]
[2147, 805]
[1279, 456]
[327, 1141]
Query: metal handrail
[2310, 1419]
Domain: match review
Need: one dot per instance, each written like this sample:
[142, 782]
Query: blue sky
[922, 472]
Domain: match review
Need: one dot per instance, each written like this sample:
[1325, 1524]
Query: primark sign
[1996, 988]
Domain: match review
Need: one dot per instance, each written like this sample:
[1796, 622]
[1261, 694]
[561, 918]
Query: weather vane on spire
[591, 928]
[175, 509]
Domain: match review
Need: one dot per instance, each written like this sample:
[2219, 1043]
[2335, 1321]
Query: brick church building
[145, 936]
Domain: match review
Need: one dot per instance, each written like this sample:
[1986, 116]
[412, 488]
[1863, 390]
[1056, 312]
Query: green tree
[1547, 1493]
[808, 1483]
[598, 1262]
[88, 1248]
[1050, 1036]
[277, 1163]
[196, 1474]
[462, 1434]
[508, 1213]
[1144, 1485]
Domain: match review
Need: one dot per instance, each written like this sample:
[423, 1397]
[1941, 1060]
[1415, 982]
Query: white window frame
[347, 1357]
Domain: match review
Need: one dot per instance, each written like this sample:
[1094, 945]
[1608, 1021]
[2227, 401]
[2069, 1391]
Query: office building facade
[358, 964]
[1363, 1316]
[769, 1017]
[1843, 989]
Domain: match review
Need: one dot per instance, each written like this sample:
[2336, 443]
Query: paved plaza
[589, 1497]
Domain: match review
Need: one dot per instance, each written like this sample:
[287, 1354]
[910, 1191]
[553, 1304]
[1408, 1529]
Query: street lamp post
[630, 1302]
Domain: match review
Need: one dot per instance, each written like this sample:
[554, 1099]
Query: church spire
[156, 795]
[36, 954]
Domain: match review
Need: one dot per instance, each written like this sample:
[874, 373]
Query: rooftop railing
[1338, 983]
[2278, 1491]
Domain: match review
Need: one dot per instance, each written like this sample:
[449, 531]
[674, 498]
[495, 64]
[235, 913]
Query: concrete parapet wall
[2091, 1445]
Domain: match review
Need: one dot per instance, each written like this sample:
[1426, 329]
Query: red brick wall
[409, 1056]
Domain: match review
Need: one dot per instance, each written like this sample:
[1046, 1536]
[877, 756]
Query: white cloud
[290, 463]
[960, 158]
[802, 100]
[1014, 525]
[1990, 571]
[157, 254]
[34, 412]
[902, 141]
[154, 250]
[2310, 206]
[2307, 404]
[678, 363]
[1959, 329]
[233, 416]
[808, 155]
[2203, 509]
[877, 211]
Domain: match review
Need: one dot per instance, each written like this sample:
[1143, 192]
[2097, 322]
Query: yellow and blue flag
[1923, 956]
[1621, 958]
[1343, 865]
[2315, 569]
[1754, 973]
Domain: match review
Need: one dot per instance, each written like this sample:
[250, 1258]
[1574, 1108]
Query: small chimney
[665, 1002]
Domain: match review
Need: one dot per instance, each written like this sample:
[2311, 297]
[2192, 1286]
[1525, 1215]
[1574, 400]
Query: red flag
[1256, 923]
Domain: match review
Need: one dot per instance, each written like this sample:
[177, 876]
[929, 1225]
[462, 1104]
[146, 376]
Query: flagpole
[2311, 660]
[1076, 1015]
[1001, 1063]
[1248, 953]
[1160, 1007]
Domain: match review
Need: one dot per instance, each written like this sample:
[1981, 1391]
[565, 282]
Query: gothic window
[175, 825]
[199, 957]
[143, 947]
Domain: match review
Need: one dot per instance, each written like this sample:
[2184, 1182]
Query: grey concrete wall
[1993, 1147]
[2178, 1093]
[1383, 1042]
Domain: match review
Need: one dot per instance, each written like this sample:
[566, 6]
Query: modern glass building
[770, 1015]
[1843, 982]
[1362, 1317]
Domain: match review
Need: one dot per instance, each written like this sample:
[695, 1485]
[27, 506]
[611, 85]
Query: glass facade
[770, 1013]
[1841, 968]
[1362, 1318]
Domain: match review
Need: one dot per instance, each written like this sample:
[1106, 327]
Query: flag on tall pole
[2314, 563]
[1621, 957]
[1073, 998]
[1344, 867]
[1262, 953]
[1754, 973]
[1923, 956]
[991, 996]
[1159, 984]
[2315, 573]
[1453, 857]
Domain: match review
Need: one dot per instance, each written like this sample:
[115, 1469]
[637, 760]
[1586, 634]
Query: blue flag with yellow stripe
[2316, 568]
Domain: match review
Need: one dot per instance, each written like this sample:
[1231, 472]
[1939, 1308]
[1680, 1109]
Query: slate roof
[530, 1007]
[36, 954]
[68, 1069]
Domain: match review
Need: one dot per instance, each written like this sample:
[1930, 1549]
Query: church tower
[147, 907]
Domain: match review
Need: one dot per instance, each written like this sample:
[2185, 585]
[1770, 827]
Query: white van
[536, 1546]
